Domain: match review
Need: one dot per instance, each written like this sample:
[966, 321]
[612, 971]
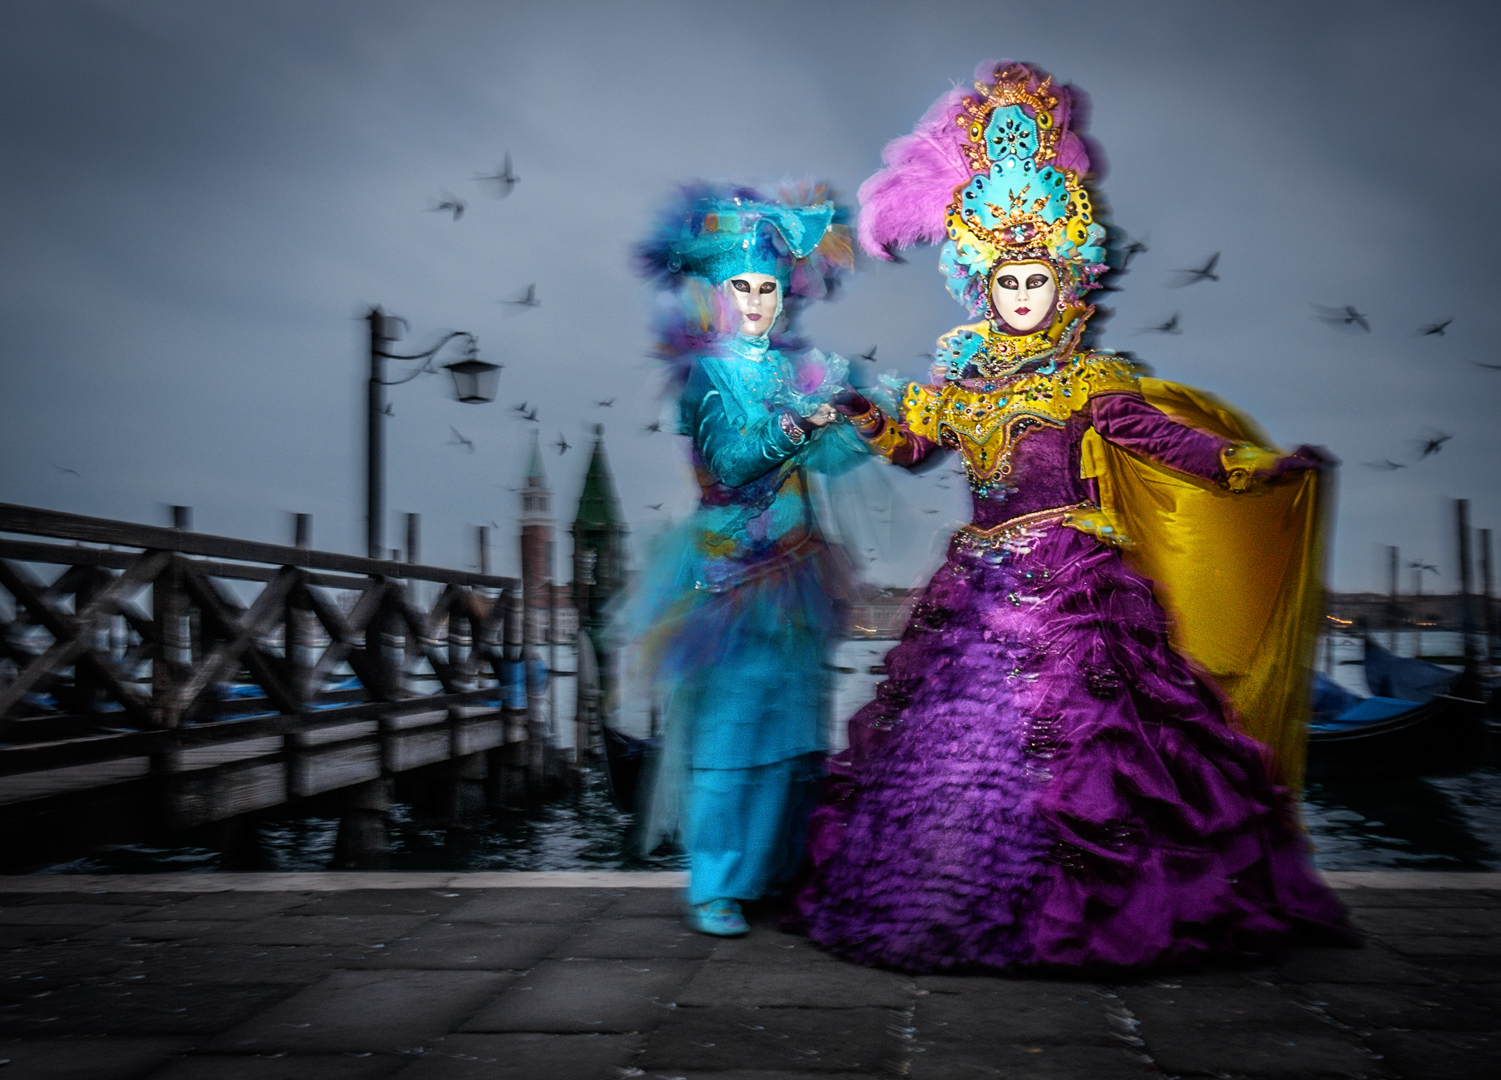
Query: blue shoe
[721, 918]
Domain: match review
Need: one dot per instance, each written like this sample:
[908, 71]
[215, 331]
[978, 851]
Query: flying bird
[459, 439]
[607, 403]
[654, 506]
[563, 445]
[449, 204]
[65, 469]
[1133, 249]
[1385, 465]
[528, 299]
[1435, 329]
[1493, 367]
[504, 178]
[388, 410]
[1201, 273]
[869, 356]
[1169, 327]
[1433, 444]
[930, 511]
[653, 427]
[1343, 316]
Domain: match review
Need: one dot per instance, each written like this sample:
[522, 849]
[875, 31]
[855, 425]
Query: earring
[1062, 304]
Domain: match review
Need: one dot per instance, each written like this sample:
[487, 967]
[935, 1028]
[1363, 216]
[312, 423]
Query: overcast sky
[199, 199]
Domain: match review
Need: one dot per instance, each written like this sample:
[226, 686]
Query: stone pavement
[313, 976]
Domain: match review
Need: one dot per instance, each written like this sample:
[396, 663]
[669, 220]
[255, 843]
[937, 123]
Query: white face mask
[757, 298]
[1024, 295]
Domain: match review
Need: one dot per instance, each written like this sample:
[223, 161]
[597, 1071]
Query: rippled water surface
[1448, 823]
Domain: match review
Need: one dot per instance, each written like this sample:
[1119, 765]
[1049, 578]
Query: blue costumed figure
[732, 618]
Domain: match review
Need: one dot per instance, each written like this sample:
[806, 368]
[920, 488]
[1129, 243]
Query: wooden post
[414, 538]
[302, 530]
[1392, 614]
[482, 538]
[1487, 596]
[173, 656]
[1466, 617]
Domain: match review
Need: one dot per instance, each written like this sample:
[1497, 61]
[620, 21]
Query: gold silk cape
[1239, 574]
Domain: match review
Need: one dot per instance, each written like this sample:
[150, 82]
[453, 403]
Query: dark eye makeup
[768, 286]
[740, 285]
[1037, 281]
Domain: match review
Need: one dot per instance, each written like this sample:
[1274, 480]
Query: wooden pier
[154, 680]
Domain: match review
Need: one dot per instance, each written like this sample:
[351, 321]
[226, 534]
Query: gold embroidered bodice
[984, 419]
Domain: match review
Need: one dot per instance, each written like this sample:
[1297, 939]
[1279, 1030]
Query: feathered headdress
[710, 233]
[998, 175]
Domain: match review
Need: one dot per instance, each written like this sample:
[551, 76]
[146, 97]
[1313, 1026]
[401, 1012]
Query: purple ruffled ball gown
[1041, 781]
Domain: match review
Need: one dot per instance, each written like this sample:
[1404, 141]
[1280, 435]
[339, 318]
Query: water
[1449, 823]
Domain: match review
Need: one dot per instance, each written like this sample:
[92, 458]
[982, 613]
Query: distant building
[537, 597]
[598, 543]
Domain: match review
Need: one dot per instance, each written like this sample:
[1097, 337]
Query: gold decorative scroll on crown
[1009, 88]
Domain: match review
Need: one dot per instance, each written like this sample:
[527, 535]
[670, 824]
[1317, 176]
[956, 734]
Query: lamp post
[474, 381]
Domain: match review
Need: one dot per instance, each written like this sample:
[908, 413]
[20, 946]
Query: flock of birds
[1346, 316]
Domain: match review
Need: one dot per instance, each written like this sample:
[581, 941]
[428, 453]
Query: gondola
[1440, 731]
[625, 755]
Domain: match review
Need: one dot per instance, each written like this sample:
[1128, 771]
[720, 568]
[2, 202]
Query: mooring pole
[375, 447]
[1391, 574]
[1488, 600]
[1466, 617]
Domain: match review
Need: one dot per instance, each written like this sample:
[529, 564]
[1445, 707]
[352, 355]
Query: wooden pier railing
[232, 676]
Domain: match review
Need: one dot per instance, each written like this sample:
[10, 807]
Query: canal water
[1435, 823]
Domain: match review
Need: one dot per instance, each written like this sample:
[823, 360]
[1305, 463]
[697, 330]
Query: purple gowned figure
[1043, 781]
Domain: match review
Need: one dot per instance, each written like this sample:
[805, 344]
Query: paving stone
[386, 902]
[98, 896]
[765, 946]
[1253, 1031]
[1436, 1008]
[809, 986]
[158, 930]
[471, 946]
[362, 1066]
[1419, 898]
[636, 938]
[1438, 1055]
[14, 937]
[1028, 1060]
[69, 914]
[1445, 922]
[375, 1011]
[564, 996]
[1462, 969]
[93, 1059]
[186, 965]
[327, 930]
[787, 1040]
[534, 905]
[137, 1008]
[1421, 945]
[527, 1056]
[1374, 963]
[677, 1073]
[662, 903]
[229, 906]
[1260, 1006]
[1023, 1014]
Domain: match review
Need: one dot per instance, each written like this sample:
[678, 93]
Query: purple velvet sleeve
[1130, 423]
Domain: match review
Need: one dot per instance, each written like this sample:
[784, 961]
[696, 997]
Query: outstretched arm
[1131, 423]
[889, 438]
[737, 457]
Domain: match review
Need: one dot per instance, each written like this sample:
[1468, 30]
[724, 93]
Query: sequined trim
[1013, 529]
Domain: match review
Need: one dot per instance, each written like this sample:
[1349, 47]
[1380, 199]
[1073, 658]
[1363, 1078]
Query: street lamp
[474, 382]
